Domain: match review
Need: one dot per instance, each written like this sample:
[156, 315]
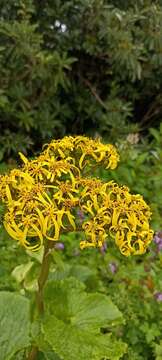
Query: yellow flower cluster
[44, 196]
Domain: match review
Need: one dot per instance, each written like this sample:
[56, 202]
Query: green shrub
[77, 67]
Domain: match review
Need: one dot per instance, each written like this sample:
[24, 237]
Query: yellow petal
[23, 158]
[11, 232]
[70, 218]
[115, 217]
[8, 193]
[81, 160]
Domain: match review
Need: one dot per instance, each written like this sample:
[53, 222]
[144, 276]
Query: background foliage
[85, 67]
[80, 66]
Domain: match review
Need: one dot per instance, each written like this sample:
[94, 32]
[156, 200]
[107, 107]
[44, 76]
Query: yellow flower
[25, 232]
[43, 197]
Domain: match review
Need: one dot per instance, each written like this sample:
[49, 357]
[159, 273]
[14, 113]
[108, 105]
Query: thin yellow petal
[23, 158]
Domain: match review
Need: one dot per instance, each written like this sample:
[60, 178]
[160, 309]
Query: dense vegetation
[89, 67]
[80, 66]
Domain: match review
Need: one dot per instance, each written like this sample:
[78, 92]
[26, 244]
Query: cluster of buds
[44, 197]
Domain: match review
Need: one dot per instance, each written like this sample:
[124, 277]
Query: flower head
[46, 196]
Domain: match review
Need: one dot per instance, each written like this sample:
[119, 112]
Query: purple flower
[113, 267]
[158, 296]
[103, 248]
[160, 246]
[158, 237]
[158, 240]
[59, 246]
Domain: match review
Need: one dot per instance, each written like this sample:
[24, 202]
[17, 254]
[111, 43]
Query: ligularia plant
[44, 196]
[43, 199]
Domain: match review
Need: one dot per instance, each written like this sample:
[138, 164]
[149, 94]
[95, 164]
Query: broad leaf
[14, 324]
[46, 351]
[68, 301]
[74, 320]
[71, 343]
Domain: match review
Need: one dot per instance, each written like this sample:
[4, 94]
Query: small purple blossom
[158, 296]
[113, 267]
[59, 246]
[80, 215]
[103, 248]
[158, 240]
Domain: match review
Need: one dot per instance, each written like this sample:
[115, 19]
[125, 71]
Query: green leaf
[44, 347]
[19, 356]
[60, 273]
[26, 275]
[58, 260]
[69, 302]
[14, 324]
[141, 158]
[72, 343]
[74, 322]
[20, 272]
[82, 272]
[36, 255]
[155, 133]
[51, 355]
[158, 350]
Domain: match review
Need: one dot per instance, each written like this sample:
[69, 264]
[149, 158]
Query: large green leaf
[68, 301]
[45, 350]
[14, 324]
[74, 322]
[71, 343]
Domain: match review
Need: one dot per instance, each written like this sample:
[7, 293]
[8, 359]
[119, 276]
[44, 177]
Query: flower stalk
[44, 271]
[43, 276]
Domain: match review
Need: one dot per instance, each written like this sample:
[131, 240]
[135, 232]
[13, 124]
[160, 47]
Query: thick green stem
[43, 275]
[42, 278]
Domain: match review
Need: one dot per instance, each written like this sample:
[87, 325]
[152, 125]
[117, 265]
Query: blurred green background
[90, 67]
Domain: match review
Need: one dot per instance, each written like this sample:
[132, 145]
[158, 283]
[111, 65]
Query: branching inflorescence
[43, 199]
